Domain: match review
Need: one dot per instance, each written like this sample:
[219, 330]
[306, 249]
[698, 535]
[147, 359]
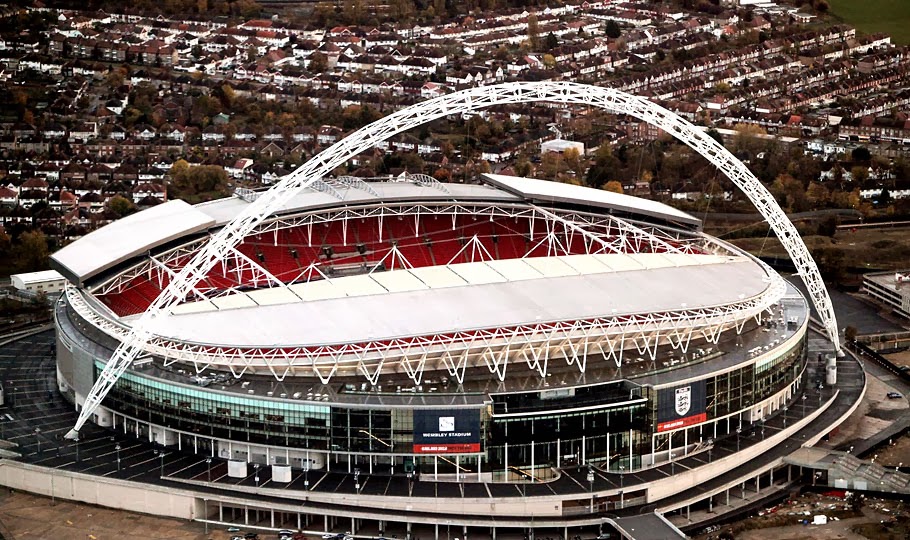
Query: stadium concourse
[502, 357]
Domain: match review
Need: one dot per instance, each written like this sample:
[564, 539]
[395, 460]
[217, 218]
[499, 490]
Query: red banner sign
[682, 422]
[448, 448]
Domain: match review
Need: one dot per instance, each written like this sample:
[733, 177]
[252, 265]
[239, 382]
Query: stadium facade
[499, 331]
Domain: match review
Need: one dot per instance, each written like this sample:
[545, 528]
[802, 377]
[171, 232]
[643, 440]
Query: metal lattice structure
[223, 242]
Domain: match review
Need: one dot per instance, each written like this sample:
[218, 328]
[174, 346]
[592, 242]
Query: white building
[561, 145]
[47, 281]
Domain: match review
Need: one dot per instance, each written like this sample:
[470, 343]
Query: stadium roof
[133, 235]
[544, 190]
[469, 296]
[127, 237]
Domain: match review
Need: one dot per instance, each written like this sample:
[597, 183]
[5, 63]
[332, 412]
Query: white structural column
[465, 101]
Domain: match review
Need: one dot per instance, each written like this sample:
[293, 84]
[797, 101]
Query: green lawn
[889, 16]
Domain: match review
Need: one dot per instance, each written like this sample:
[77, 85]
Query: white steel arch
[465, 101]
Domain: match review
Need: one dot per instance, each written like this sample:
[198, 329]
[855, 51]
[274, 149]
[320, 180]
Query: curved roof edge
[127, 237]
[533, 189]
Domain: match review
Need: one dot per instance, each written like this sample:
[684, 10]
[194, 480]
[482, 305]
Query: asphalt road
[852, 312]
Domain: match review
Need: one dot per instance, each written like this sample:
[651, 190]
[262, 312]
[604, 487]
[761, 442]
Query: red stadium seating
[434, 240]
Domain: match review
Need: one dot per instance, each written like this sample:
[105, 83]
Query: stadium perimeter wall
[108, 492]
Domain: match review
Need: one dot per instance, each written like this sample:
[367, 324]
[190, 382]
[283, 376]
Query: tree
[861, 153]
[318, 62]
[533, 31]
[121, 206]
[747, 138]
[612, 30]
[199, 183]
[30, 251]
[572, 160]
[523, 167]
[859, 174]
[613, 186]
[550, 42]
[817, 195]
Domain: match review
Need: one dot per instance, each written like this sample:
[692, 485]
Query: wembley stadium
[514, 325]
[551, 350]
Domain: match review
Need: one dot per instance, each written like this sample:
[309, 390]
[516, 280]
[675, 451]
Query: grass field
[871, 249]
[889, 16]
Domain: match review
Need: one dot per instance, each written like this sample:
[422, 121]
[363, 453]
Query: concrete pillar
[273, 517]
[757, 483]
[353, 526]
[493, 533]
[728, 496]
[326, 527]
[436, 531]
[408, 536]
[688, 515]
[711, 504]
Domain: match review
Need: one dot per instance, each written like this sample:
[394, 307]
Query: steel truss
[533, 344]
[462, 102]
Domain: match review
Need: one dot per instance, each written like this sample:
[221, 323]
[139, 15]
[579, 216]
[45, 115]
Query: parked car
[894, 395]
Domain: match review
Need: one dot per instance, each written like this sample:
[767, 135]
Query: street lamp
[38, 438]
[622, 503]
[739, 431]
[672, 464]
[208, 464]
[117, 448]
[710, 448]
[591, 483]
[161, 454]
[357, 480]
[256, 473]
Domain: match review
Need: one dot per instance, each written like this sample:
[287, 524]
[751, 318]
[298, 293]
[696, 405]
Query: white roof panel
[546, 190]
[551, 266]
[233, 301]
[275, 295]
[129, 236]
[361, 285]
[193, 307]
[399, 281]
[514, 269]
[477, 273]
[438, 277]
[317, 290]
[439, 311]
[619, 262]
[585, 264]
